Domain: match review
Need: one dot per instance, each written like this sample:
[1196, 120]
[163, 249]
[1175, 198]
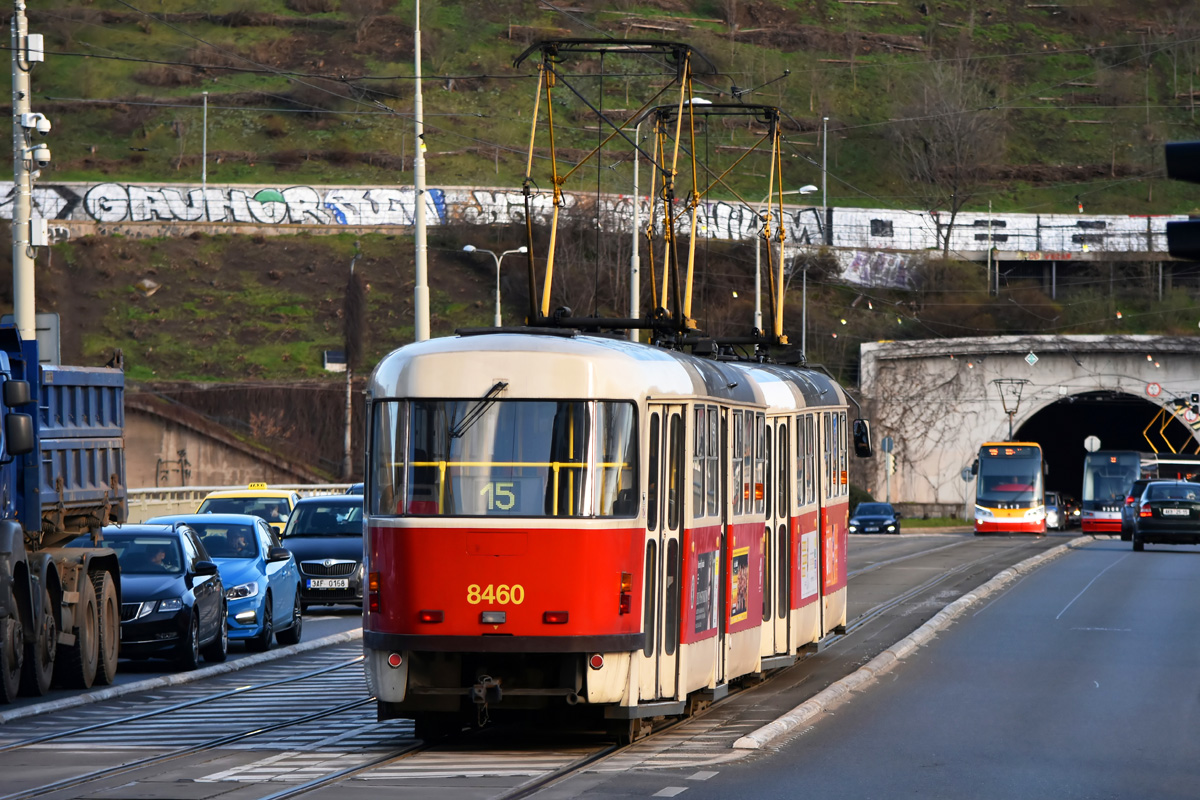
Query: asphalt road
[1081, 680]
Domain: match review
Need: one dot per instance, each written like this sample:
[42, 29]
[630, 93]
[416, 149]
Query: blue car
[262, 581]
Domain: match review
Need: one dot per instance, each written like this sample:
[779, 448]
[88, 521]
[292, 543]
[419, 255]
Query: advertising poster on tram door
[808, 564]
[705, 592]
[739, 590]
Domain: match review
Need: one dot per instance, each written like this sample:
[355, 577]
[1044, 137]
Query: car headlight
[170, 604]
[242, 590]
[853, 527]
[145, 608]
[891, 527]
[980, 511]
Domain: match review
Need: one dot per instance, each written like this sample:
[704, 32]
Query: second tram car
[1107, 476]
[1009, 491]
[557, 519]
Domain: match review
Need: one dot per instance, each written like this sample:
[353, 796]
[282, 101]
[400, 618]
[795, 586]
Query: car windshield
[873, 508]
[272, 509]
[326, 519]
[142, 554]
[1172, 491]
[223, 540]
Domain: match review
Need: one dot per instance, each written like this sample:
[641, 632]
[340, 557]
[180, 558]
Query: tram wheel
[629, 731]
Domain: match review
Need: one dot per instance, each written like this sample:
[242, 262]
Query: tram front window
[523, 458]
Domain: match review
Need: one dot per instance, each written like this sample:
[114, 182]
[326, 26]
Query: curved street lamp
[470, 248]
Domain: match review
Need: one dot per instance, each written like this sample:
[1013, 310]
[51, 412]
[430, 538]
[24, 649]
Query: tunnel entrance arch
[1117, 419]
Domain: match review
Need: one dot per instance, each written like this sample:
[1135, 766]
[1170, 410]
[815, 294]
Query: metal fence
[147, 503]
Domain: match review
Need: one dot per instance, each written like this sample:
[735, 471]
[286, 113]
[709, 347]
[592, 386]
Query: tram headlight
[1035, 513]
[980, 511]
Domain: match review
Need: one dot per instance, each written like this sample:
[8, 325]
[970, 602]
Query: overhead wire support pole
[420, 269]
[24, 299]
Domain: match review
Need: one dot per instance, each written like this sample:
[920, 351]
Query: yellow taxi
[273, 505]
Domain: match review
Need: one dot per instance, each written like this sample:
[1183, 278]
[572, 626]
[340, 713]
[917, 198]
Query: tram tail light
[1145, 511]
[426, 615]
[555, 617]
[373, 596]
[626, 602]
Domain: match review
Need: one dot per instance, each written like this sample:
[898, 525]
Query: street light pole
[824, 173]
[470, 248]
[204, 155]
[635, 261]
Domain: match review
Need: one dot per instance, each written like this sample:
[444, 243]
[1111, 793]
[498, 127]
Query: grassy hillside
[1078, 99]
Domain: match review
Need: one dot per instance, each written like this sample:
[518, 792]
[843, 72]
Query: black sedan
[1168, 513]
[172, 599]
[325, 534]
[875, 518]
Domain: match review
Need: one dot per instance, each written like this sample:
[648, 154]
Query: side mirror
[862, 438]
[975, 467]
[16, 394]
[278, 554]
[204, 568]
[18, 432]
[898, 514]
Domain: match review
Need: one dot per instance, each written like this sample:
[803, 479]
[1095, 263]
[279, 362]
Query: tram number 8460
[499, 595]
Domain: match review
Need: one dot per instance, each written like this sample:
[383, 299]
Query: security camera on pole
[27, 232]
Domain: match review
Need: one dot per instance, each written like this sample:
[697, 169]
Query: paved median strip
[177, 678]
[865, 675]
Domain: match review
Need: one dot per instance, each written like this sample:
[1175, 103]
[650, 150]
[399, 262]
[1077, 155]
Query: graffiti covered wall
[876, 247]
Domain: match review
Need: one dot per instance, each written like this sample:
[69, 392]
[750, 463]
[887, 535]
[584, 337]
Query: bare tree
[947, 131]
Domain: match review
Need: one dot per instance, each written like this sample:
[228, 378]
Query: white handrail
[156, 501]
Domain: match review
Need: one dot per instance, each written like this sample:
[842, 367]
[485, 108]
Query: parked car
[1129, 510]
[875, 518]
[172, 597]
[1168, 512]
[1056, 518]
[273, 505]
[262, 580]
[326, 535]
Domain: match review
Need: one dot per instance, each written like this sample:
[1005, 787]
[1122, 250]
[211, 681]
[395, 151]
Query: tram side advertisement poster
[705, 592]
[808, 564]
[739, 590]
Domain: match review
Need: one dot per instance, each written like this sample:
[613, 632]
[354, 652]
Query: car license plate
[329, 583]
[1175, 512]
[872, 529]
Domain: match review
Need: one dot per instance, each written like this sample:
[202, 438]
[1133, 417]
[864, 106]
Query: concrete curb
[865, 675]
[177, 678]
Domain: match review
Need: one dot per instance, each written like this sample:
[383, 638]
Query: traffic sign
[1190, 416]
[886, 444]
[1153, 389]
[1091, 444]
[966, 473]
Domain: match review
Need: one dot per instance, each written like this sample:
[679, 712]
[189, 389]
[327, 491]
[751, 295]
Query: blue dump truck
[62, 474]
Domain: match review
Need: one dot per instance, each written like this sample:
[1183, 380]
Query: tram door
[776, 540]
[664, 526]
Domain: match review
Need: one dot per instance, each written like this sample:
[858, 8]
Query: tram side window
[699, 448]
[387, 448]
[738, 487]
[827, 453]
[767, 485]
[747, 455]
[844, 455]
[675, 468]
[616, 460]
[782, 460]
[760, 464]
[652, 480]
[801, 471]
[712, 477]
[810, 459]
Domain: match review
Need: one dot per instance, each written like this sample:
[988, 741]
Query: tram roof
[539, 365]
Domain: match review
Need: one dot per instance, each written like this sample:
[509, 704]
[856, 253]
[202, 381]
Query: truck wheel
[109, 627]
[40, 653]
[12, 653]
[78, 661]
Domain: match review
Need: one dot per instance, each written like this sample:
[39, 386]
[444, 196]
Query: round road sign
[1153, 389]
[1091, 444]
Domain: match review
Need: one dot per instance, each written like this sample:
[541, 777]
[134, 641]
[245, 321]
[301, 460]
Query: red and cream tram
[562, 519]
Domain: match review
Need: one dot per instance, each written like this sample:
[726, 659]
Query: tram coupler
[487, 691]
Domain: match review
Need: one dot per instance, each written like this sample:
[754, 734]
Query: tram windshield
[518, 458]
[1009, 475]
[1107, 477]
